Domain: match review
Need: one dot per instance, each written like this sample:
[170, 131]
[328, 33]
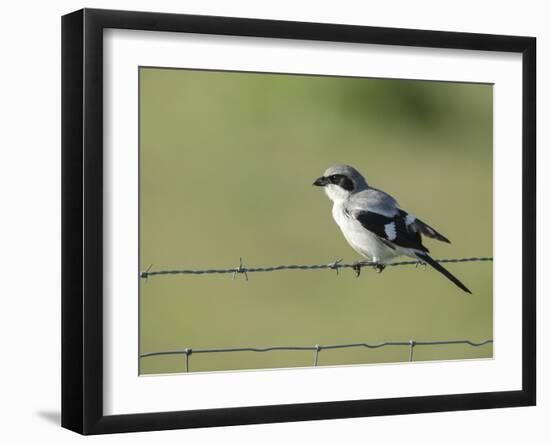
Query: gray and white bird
[374, 225]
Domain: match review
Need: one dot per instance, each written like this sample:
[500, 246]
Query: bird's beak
[321, 181]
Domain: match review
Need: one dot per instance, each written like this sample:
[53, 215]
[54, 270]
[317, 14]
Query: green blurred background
[227, 162]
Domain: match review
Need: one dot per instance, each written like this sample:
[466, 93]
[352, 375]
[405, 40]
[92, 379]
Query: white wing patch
[389, 229]
[409, 219]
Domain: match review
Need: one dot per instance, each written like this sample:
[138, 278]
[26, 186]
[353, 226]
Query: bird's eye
[342, 181]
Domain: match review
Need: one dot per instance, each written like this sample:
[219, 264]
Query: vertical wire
[187, 355]
[412, 344]
[316, 359]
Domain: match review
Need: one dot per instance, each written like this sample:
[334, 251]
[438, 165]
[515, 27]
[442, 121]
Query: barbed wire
[187, 352]
[336, 265]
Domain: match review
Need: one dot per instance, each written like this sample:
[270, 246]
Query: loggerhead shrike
[373, 224]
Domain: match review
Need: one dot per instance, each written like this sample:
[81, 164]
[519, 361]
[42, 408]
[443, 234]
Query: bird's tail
[427, 259]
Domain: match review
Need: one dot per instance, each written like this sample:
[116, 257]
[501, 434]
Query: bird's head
[340, 181]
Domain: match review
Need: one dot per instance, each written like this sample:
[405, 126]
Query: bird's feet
[357, 267]
[421, 263]
[378, 267]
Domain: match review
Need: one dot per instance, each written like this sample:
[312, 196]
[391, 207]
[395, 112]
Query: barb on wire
[335, 265]
[411, 344]
[240, 270]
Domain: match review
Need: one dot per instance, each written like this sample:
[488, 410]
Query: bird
[373, 223]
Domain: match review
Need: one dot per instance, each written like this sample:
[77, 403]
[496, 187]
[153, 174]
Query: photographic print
[270, 221]
[292, 221]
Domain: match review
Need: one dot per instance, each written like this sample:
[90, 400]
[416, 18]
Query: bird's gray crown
[348, 171]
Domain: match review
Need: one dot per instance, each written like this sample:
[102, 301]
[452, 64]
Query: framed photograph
[268, 221]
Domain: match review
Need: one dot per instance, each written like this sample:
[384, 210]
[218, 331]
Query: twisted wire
[317, 347]
[336, 265]
[412, 344]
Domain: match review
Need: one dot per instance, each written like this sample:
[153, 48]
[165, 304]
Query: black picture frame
[82, 220]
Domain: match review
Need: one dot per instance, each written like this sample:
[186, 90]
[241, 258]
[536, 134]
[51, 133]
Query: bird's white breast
[362, 240]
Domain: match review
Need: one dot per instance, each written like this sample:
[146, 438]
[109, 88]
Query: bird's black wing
[418, 225]
[393, 231]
